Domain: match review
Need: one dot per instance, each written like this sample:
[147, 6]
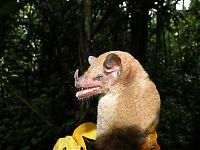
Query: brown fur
[126, 138]
[129, 104]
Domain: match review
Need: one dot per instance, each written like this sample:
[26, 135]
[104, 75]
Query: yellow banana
[75, 142]
[67, 143]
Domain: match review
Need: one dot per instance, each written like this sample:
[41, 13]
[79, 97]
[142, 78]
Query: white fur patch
[106, 108]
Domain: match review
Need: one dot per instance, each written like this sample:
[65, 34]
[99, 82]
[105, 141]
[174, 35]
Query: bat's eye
[99, 77]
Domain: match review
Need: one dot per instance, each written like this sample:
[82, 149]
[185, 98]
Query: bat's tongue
[87, 92]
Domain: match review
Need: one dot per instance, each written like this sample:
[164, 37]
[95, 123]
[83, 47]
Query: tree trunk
[85, 33]
[139, 34]
[139, 25]
[160, 55]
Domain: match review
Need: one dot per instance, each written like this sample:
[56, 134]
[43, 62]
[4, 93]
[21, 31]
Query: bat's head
[100, 76]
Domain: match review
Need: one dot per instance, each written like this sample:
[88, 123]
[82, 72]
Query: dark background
[42, 43]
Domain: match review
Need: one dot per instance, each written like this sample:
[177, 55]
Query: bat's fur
[129, 104]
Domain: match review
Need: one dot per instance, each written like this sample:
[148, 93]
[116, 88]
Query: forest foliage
[42, 43]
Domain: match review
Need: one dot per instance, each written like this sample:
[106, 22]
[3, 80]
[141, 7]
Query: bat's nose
[76, 75]
[76, 83]
[77, 79]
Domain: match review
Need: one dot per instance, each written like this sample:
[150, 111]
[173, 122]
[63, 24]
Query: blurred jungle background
[42, 43]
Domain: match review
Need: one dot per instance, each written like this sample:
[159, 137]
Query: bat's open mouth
[86, 92]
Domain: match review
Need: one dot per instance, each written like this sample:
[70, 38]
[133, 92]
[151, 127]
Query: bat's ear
[112, 64]
[91, 59]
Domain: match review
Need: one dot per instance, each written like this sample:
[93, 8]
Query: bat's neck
[106, 112]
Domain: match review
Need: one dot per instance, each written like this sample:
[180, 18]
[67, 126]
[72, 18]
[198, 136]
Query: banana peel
[87, 130]
[67, 143]
[76, 141]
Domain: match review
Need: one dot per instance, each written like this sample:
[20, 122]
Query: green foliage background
[39, 52]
